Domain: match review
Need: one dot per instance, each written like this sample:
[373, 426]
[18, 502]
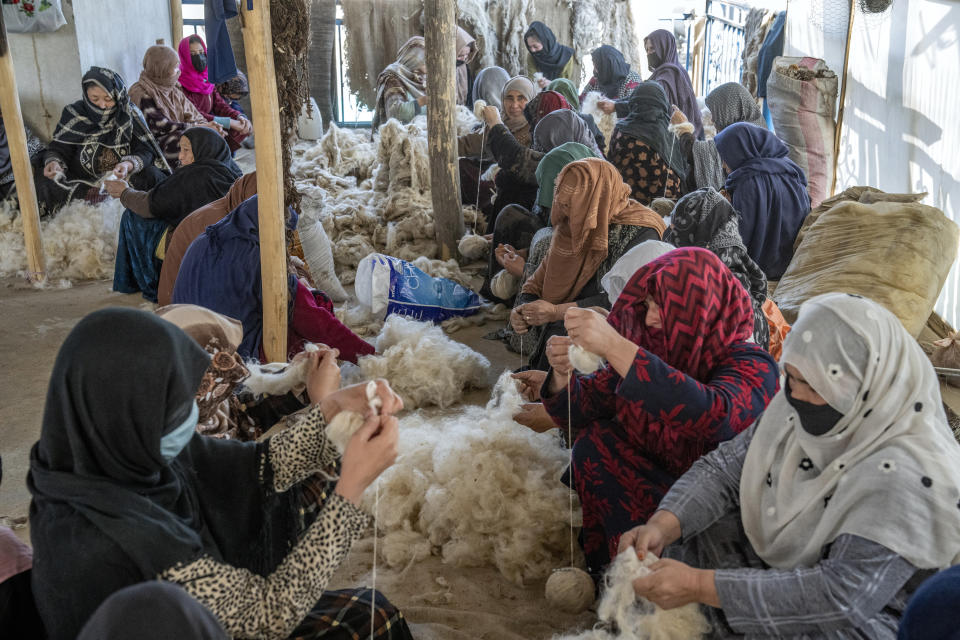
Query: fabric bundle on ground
[895, 253]
[476, 488]
[423, 365]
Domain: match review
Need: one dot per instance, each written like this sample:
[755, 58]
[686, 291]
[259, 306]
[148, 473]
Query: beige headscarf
[888, 471]
[589, 196]
[518, 126]
[158, 81]
[410, 56]
[464, 39]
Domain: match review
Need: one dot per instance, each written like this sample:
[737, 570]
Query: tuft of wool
[487, 313]
[637, 618]
[582, 360]
[346, 152]
[359, 319]
[570, 589]
[606, 122]
[681, 128]
[422, 364]
[347, 423]
[473, 247]
[537, 77]
[319, 258]
[478, 106]
[79, 242]
[504, 285]
[709, 127]
[479, 488]
[467, 120]
[402, 156]
[278, 378]
[448, 269]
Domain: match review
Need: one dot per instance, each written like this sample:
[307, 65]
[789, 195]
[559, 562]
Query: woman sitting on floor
[594, 223]
[234, 90]
[567, 89]
[546, 56]
[769, 191]
[488, 86]
[205, 97]
[645, 151]
[662, 60]
[166, 109]
[820, 519]
[402, 85]
[100, 134]
[206, 173]
[221, 271]
[195, 224]
[466, 52]
[49, 194]
[681, 378]
[124, 491]
[612, 76]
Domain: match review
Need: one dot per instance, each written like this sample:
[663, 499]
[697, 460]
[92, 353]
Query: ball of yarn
[504, 285]
[473, 247]
[478, 106]
[582, 360]
[570, 589]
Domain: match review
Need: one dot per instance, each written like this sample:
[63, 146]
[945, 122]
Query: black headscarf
[704, 218]
[649, 122]
[208, 178]
[550, 60]
[84, 124]
[609, 68]
[108, 511]
[157, 611]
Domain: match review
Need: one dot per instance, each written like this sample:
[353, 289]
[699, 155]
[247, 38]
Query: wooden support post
[843, 97]
[258, 45]
[440, 27]
[22, 169]
[176, 22]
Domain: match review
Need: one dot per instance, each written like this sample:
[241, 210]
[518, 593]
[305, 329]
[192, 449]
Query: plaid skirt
[346, 615]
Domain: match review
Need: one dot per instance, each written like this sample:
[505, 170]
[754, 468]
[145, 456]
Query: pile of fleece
[477, 489]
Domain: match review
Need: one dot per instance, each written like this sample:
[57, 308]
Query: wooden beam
[440, 27]
[176, 22]
[22, 169]
[843, 97]
[258, 45]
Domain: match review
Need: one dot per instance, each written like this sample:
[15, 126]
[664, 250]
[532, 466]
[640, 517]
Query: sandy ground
[440, 601]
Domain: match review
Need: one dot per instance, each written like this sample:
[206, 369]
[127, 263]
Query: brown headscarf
[399, 76]
[220, 413]
[590, 195]
[464, 39]
[158, 81]
[193, 225]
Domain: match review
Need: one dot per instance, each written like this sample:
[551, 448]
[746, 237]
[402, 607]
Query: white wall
[900, 130]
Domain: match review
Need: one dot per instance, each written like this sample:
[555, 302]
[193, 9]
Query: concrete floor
[35, 323]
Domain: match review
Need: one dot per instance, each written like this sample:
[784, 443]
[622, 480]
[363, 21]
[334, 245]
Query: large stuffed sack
[897, 254]
[802, 95]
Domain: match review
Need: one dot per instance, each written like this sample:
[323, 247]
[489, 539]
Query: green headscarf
[565, 88]
[553, 163]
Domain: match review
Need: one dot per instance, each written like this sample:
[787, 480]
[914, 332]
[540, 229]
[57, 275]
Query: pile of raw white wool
[476, 488]
[373, 195]
[79, 242]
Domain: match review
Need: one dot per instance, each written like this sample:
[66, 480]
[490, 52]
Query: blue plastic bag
[388, 285]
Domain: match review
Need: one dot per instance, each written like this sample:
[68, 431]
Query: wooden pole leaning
[843, 96]
[258, 43]
[440, 28]
[20, 158]
[176, 22]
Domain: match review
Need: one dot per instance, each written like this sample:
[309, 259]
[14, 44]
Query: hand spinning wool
[346, 423]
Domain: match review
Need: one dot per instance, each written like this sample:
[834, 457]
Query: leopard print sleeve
[251, 606]
[301, 450]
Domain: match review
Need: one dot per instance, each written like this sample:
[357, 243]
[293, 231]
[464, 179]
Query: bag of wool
[319, 258]
[946, 353]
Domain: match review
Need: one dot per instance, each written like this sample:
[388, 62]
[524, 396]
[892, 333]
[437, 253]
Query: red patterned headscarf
[703, 308]
[543, 103]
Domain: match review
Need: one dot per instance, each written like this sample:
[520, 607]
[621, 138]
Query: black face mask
[815, 419]
[199, 61]
[653, 61]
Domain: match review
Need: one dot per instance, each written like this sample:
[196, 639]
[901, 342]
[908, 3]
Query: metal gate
[724, 43]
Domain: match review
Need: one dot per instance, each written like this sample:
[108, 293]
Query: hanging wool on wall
[477, 489]
[473, 16]
[606, 122]
[636, 618]
[422, 364]
[606, 22]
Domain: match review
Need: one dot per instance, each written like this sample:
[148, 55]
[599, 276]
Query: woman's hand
[661, 529]
[556, 351]
[590, 330]
[115, 187]
[247, 127]
[354, 398]
[607, 106]
[323, 374]
[422, 101]
[530, 383]
[539, 313]
[677, 117]
[371, 450]
[510, 259]
[123, 169]
[674, 584]
[52, 169]
[491, 115]
[543, 83]
[534, 417]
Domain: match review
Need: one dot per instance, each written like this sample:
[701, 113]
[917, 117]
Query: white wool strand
[582, 360]
[277, 378]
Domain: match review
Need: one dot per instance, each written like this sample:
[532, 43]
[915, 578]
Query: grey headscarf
[560, 126]
[729, 103]
[888, 471]
[488, 84]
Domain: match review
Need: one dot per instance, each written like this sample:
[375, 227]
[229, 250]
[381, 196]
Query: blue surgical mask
[173, 443]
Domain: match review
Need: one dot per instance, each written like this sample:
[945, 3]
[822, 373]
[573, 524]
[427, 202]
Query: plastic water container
[309, 124]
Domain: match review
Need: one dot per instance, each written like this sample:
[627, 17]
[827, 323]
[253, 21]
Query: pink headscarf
[191, 79]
